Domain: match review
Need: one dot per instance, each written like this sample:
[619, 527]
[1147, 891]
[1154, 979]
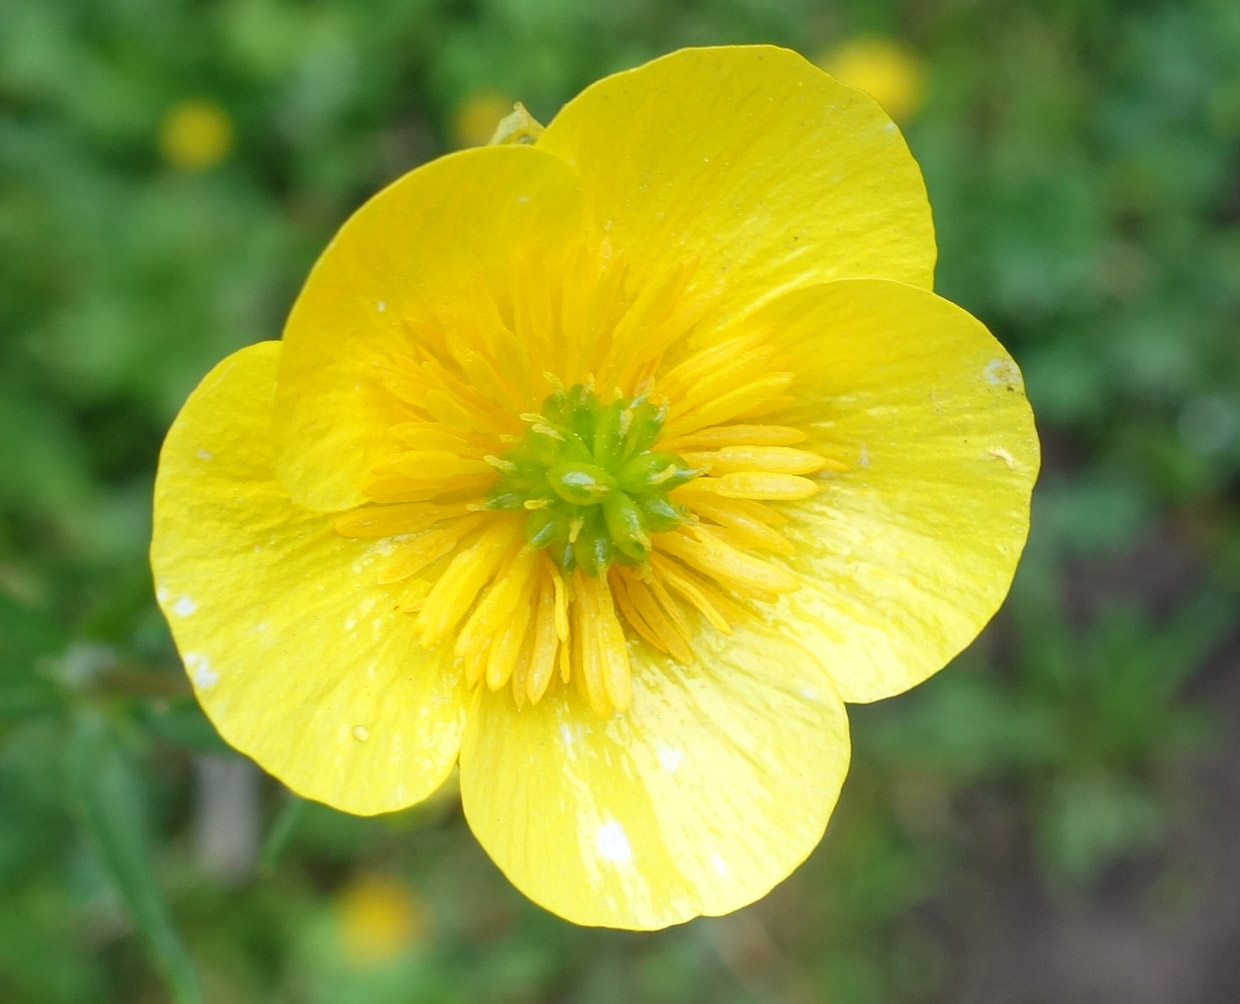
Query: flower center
[592, 487]
[542, 549]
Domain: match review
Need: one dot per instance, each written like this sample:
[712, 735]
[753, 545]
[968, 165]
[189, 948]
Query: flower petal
[713, 786]
[408, 252]
[907, 554]
[769, 171]
[296, 655]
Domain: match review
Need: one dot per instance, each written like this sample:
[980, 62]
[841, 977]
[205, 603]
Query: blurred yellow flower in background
[379, 918]
[612, 462]
[195, 135]
[475, 118]
[886, 70]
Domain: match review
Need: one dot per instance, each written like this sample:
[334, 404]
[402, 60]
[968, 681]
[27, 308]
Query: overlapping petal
[454, 228]
[300, 659]
[908, 554]
[714, 786]
[749, 159]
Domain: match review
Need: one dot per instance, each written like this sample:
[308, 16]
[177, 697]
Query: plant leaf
[108, 799]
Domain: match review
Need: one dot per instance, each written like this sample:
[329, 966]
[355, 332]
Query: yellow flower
[613, 463]
[884, 69]
[195, 135]
[378, 919]
[473, 121]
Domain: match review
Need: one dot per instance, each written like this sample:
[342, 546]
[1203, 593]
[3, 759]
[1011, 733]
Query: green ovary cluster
[593, 488]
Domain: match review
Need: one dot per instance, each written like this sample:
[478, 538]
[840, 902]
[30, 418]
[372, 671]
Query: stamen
[413, 595]
[718, 382]
[495, 608]
[546, 640]
[507, 647]
[735, 569]
[521, 670]
[444, 409]
[432, 465]
[753, 485]
[454, 593]
[749, 531]
[636, 621]
[697, 598]
[393, 488]
[561, 605]
[733, 404]
[638, 333]
[413, 556]
[546, 544]
[685, 375]
[719, 436]
[674, 637]
[613, 654]
[432, 436]
[764, 459]
[588, 664]
[391, 520]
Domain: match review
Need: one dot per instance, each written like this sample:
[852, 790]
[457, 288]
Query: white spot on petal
[203, 454]
[999, 453]
[719, 864]
[184, 606]
[670, 759]
[360, 733]
[1002, 372]
[566, 734]
[200, 671]
[382, 305]
[613, 843]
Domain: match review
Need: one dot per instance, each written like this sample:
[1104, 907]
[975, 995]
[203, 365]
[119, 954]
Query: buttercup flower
[195, 135]
[473, 120]
[379, 918]
[884, 69]
[613, 462]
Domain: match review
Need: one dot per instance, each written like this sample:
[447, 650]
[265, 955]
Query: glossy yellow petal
[447, 232]
[295, 652]
[905, 556]
[712, 787]
[749, 159]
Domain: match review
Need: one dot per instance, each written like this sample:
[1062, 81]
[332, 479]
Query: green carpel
[593, 489]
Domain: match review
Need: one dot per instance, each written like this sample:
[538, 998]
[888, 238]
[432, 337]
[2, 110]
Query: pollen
[542, 522]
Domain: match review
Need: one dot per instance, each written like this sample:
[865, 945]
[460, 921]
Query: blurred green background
[1055, 818]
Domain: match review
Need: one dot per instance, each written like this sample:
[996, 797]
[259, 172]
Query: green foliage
[1081, 159]
[107, 796]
